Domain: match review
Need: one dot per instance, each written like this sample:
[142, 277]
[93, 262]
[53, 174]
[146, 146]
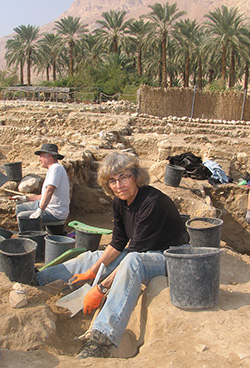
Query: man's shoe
[98, 346]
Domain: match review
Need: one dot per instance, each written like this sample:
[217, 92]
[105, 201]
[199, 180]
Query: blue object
[216, 170]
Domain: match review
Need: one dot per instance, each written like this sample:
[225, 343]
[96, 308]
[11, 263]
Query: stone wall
[165, 102]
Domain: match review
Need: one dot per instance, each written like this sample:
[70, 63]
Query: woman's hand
[92, 300]
[81, 278]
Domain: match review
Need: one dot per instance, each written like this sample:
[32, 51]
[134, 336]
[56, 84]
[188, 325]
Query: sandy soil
[158, 334]
[42, 335]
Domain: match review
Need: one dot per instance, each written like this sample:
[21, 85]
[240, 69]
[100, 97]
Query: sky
[14, 13]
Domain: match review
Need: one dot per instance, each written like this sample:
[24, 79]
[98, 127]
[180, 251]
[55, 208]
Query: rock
[18, 296]
[200, 348]
[208, 200]
[157, 171]
[119, 146]
[103, 201]
[29, 184]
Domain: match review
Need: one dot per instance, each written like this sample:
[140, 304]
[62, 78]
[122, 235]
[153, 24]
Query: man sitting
[52, 205]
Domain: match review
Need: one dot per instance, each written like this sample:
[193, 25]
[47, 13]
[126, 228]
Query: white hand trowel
[74, 300]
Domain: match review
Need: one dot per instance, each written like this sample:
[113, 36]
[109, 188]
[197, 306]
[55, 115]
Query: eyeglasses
[123, 179]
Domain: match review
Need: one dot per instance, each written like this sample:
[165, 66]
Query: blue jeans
[134, 269]
[25, 209]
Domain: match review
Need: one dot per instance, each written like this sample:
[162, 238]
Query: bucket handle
[219, 212]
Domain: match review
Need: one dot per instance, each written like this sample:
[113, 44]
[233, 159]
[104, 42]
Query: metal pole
[243, 105]
[192, 110]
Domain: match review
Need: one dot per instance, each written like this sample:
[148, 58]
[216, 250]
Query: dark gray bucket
[193, 275]
[184, 218]
[39, 238]
[55, 245]
[30, 224]
[90, 241]
[173, 175]
[6, 233]
[3, 179]
[13, 170]
[17, 259]
[208, 234]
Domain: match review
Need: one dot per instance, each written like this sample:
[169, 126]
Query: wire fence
[61, 94]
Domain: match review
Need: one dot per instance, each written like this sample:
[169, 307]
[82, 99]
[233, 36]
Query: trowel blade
[74, 300]
[57, 284]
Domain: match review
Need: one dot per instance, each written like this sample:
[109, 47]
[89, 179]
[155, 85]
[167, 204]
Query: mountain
[91, 10]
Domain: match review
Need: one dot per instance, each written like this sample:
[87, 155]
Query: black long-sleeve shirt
[151, 222]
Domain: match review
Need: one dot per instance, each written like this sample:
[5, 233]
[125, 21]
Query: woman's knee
[132, 262]
[144, 265]
[132, 258]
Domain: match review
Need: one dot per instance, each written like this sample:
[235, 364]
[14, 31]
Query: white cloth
[60, 200]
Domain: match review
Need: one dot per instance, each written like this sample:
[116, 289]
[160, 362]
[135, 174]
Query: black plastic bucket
[194, 276]
[39, 238]
[30, 224]
[88, 240]
[184, 217]
[173, 175]
[6, 233]
[13, 170]
[204, 231]
[17, 259]
[55, 245]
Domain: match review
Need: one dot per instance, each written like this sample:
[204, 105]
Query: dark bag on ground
[192, 164]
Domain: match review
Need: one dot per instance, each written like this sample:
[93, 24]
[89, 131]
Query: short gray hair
[115, 163]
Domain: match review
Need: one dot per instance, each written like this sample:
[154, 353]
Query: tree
[113, 30]
[7, 78]
[153, 62]
[90, 51]
[245, 42]
[224, 32]
[71, 30]
[49, 51]
[163, 18]
[186, 33]
[15, 55]
[27, 36]
[138, 30]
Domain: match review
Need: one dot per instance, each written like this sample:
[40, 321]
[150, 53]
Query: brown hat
[50, 148]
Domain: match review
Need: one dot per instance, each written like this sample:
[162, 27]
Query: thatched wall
[164, 102]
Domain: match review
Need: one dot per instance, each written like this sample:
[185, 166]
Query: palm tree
[28, 36]
[113, 28]
[153, 61]
[15, 55]
[163, 18]
[138, 30]
[186, 34]
[71, 30]
[49, 51]
[224, 31]
[90, 51]
[200, 55]
[173, 68]
[244, 52]
[43, 62]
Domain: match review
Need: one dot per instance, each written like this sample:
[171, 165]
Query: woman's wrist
[102, 288]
